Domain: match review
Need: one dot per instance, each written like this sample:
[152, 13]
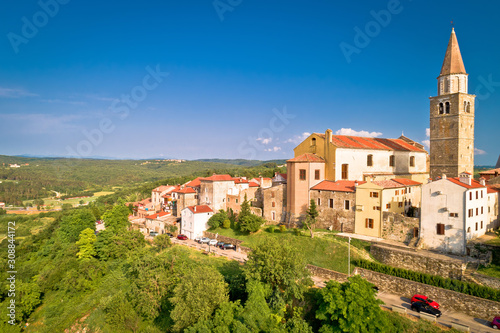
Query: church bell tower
[452, 118]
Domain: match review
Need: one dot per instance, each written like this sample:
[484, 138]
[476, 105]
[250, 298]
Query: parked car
[219, 244]
[422, 307]
[197, 239]
[204, 240]
[153, 233]
[424, 299]
[495, 323]
[181, 237]
[228, 246]
[212, 242]
[169, 234]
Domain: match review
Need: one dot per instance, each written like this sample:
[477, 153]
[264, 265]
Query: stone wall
[449, 300]
[327, 274]
[484, 280]
[428, 262]
[336, 218]
[398, 227]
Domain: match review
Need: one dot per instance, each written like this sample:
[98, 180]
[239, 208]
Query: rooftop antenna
[452, 25]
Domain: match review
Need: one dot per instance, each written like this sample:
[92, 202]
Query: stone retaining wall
[398, 227]
[445, 266]
[449, 300]
[327, 274]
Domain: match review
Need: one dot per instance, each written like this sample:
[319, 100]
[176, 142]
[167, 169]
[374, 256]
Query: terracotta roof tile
[407, 182]
[389, 183]
[490, 172]
[157, 215]
[338, 186]
[194, 183]
[186, 190]
[453, 63]
[307, 158]
[474, 183]
[162, 188]
[200, 209]
[253, 184]
[219, 178]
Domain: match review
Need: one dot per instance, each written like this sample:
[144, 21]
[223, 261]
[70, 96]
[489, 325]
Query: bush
[297, 232]
[226, 224]
[271, 228]
[282, 228]
[468, 288]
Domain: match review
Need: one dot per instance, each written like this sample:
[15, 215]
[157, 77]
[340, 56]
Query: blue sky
[233, 78]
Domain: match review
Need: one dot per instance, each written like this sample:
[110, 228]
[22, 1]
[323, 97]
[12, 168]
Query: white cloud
[298, 138]
[274, 149]
[265, 141]
[351, 132]
[15, 93]
[427, 143]
[62, 101]
[427, 132]
[478, 151]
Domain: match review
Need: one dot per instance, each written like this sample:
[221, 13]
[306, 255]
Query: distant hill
[242, 162]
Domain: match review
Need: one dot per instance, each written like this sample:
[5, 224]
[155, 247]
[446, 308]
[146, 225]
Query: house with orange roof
[454, 210]
[194, 220]
[335, 203]
[489, 174]
[157, 195]
[184, 197]
[377, 201]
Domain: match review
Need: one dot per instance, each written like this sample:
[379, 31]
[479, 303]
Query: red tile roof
[307, 158]
[162, 188]
[186, 190]
[407, 182]
[239, 180]
[490, 172]
[388, 183]
[200, 209]
[253, 184]
[218, 178]
[194, 183]
[492, 189]
[156, 215]
[282, 175]
[359, 142]
[474, 183]
[339, 185]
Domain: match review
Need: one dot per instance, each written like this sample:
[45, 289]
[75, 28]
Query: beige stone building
[335, 203]
[452, 118]
[214, 190]
[274, 203]
[375, 198]
[185, 196]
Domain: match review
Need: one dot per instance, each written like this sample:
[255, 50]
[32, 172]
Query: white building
[157, 195]
[453, 211]
[194, 220]
[493, 218]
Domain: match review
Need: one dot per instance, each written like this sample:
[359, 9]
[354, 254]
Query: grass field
[324, 250]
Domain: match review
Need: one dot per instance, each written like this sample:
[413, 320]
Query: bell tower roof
[453, 63]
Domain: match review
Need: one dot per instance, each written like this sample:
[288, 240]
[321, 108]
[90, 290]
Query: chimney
[157, 216]
[465, 178]
[195, 209]
[328, 135]
[443, 176]
[429, 180]
[482, 181]
[355, 183]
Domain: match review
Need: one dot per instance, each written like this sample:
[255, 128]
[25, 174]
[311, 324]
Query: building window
[319, 201]
[481, 224]
[236, 200]
[369, 223]
[397, 192]
[440, 229]
[345, 171]
[388, 206]
[477, 211]
[391, 160]
[471, 212]
[316, 174]
[273, 204]
[400, 204]
[373, 194]
[331, 203]
[369, 160]
[376, 207]
[453, 214]
[476, 226]
[409, 189]
[228, 199]
[468, 229]
[302, 174]
[481, 194]
[272, 194]
[447, 108]
[441, 108]
[223, 199]
[274, 216]
[477, 195]
[412, 161]
[347, 204]
[481, 210]
[470, 195]
[313, 142]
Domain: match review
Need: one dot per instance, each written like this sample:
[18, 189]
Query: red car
[182, 237]
[425, 300]
[495, 323]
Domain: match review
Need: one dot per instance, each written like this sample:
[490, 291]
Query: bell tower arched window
[447, 107]
[441, 108]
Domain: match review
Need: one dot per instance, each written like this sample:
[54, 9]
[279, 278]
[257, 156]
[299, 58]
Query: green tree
[120, 315]
[74, 222]
[117, 218]
[162, 242]
[244, 209]
[282, 267]
[67, 206]
[200, 292]
[111, 246]
[27, 298]
[251, 223]
[312, 214]
[3, 211]
[226, 224]
[350, 307]
[86, 244]
[216, 220]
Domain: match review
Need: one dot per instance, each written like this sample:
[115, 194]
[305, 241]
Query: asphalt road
[476, 325]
